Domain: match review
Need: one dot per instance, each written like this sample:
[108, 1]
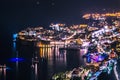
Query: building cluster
[87, 72]
[97, 16]
[99, 37]
[102, 51]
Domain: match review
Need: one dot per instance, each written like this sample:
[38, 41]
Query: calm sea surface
[51, 60]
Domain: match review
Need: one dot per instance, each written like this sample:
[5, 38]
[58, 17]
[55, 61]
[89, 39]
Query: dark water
[51, 61]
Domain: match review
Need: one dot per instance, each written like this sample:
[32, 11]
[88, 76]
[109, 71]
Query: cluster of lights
[99, 16]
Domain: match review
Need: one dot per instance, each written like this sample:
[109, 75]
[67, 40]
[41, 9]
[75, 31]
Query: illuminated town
[60, 40]
[97, 41]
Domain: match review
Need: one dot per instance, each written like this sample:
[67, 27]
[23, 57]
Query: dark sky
[16, 15]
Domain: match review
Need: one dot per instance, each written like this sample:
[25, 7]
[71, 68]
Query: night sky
[19, 14]
[16, 15]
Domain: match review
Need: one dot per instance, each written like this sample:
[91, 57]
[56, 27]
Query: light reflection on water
[51, 60]
[56, 60]
[60, 60]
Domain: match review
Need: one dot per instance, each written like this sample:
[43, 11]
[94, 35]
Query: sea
[20, 60]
